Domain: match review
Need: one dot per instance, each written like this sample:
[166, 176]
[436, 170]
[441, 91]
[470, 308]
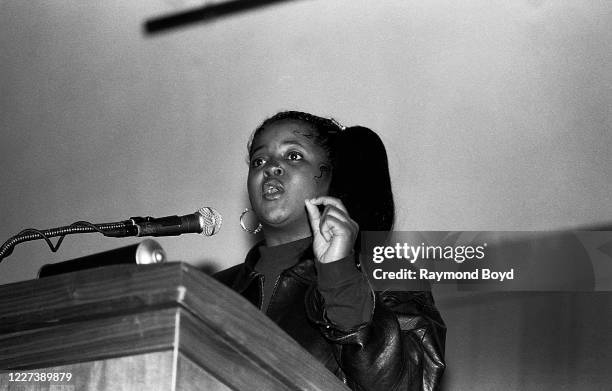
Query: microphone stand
[117, 230]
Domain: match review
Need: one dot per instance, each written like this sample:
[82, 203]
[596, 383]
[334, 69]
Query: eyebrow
[287, 142]
[294, 142]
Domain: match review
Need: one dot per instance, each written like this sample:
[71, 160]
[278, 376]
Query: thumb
[313, 215]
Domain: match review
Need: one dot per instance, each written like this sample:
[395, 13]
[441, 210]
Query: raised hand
[334, 232]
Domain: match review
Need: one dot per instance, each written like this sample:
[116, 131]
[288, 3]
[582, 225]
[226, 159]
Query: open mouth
[272, 189]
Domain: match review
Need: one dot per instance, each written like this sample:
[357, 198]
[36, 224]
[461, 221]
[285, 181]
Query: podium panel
[151, 372]
[150, 327]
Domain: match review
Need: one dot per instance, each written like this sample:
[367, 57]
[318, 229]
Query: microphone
[146, 252]
[205, 221]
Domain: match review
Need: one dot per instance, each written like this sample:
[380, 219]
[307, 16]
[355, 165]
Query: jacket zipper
[273, 290]
[261, 289]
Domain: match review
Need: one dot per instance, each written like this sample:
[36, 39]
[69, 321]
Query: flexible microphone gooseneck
[206, 221]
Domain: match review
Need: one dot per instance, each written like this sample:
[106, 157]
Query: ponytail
[361, 179]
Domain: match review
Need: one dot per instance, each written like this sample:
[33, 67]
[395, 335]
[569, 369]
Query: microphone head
[210, 220]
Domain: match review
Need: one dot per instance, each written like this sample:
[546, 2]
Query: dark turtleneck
[273, 260]
[347, 295]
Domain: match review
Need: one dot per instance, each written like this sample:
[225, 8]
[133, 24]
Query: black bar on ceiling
[203, 14]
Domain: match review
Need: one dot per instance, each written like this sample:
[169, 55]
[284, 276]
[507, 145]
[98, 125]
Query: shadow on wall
[528, 341]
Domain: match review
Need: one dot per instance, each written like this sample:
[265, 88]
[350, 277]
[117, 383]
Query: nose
[273, 168]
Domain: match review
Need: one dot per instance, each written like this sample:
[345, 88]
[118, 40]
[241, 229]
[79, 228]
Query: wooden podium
[145, 327]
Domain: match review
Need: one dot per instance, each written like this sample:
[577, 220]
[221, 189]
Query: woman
[313, 185]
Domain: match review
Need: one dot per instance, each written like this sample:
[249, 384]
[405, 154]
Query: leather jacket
[400, 348]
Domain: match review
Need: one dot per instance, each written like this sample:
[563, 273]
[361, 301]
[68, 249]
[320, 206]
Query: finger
[337, 213]
[340, 215]
[324, 228]
[327, 200]
[331, 222]
[313, 215]
[331, 226]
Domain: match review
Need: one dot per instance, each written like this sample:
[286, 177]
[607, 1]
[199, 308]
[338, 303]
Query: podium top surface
[75, 300]
[100, 291]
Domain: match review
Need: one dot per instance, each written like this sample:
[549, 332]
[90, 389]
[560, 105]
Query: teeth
[270, 189]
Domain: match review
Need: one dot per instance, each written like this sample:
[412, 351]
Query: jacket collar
[303, 270]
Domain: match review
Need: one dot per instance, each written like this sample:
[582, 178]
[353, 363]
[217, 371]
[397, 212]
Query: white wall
[496, 114]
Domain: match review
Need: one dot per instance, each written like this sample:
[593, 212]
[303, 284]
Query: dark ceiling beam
[204, 14]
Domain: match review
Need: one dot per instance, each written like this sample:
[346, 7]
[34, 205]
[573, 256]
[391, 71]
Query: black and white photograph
[306, 195]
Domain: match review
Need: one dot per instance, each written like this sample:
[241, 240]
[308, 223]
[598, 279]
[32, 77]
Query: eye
[293, 155]
[257, 162]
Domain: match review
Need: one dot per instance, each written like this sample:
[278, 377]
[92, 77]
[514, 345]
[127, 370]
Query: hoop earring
[244, 227]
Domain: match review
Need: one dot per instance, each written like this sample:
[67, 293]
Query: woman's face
[286, 167]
